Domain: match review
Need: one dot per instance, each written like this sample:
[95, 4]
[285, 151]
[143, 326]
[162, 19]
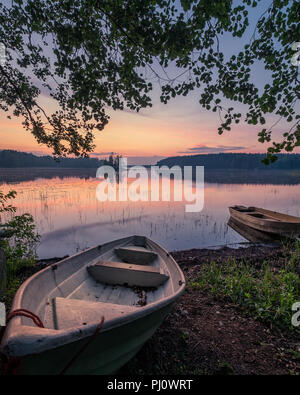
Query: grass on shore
[265, 292]
[17, 272]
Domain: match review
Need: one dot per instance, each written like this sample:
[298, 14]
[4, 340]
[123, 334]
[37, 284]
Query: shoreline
[211, 252]
[197, 250]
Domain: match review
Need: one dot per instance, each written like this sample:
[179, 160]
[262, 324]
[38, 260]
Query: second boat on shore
[267, 220]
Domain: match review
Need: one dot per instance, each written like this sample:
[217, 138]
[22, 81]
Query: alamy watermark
[2, 54]
[152, 184]
[296, 58]
[2, 314]
[296, 316]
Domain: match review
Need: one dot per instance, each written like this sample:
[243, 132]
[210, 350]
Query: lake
[70, 218]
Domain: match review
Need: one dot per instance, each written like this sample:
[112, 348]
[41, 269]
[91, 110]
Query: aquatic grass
[267, 292]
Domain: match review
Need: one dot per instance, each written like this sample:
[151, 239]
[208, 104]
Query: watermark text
[155, 184]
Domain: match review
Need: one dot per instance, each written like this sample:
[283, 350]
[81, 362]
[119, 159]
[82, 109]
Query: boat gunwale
[17, 333]
[265, 212]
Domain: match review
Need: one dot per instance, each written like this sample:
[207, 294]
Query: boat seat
[120, 273]
[258, 215]
[264, 217]
[135, 254]
[241, 208]
[68, 313]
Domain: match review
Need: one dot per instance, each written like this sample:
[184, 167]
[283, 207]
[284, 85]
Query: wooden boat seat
[264, 217]
[68, 313]
[257, 215]
[120, 273]
[135, 254]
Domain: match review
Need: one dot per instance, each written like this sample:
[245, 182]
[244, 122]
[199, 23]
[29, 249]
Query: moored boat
[254, 235]
[57, 325]
[267, 220]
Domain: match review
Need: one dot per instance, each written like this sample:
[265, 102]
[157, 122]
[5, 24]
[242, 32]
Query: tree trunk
[2, 274]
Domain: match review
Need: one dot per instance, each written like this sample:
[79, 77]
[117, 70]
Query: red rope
[12, 364]
[99, 327]
[25, 313]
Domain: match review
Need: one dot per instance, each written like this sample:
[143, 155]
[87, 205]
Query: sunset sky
[179, 128]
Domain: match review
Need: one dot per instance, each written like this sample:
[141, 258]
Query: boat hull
[106, 354]
[253, 235]
[268, 221]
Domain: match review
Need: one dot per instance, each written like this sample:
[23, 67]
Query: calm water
[70, 218]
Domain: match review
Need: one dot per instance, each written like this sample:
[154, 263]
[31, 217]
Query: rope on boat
[25, 313]
[11, 364]
[98, 329]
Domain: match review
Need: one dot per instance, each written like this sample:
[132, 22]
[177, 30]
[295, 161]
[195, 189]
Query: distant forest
[233, 161]
[10, 158]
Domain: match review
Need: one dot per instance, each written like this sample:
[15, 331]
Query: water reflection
[273, 177]
[16, 175]
[70, 218]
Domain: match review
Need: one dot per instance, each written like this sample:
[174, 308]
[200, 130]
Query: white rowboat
[71, 297]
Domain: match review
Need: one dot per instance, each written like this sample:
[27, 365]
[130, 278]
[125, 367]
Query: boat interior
[111, 281]
[266, 214]
[244, 209]
[251, 211]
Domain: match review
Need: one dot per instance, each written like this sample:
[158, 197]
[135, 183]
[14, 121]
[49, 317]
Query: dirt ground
[205, 336]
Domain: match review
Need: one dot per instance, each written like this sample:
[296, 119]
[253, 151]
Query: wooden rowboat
[266, 220]
[253, 235]
[131, 282]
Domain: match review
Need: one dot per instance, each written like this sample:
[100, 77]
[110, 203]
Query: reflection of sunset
[70, 218]
[143, 185]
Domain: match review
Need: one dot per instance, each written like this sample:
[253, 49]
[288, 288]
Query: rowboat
[267, 220]
[253, 235]
[132, 283]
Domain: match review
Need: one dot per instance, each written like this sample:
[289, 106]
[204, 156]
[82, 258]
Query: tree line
[233, 161]
[11, 158]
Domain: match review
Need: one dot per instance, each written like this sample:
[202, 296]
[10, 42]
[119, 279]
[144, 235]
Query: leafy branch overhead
[91, 56]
